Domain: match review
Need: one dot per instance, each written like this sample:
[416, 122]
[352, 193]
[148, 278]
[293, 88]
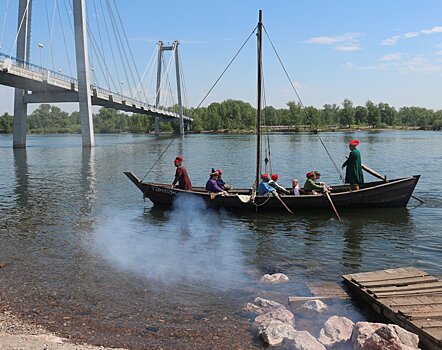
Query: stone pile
[276, 325]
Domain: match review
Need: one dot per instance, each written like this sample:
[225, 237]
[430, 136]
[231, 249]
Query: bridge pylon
[161, 49]
[22, 53]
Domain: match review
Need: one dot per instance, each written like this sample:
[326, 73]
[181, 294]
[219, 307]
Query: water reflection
[21, 188]
[88, 180]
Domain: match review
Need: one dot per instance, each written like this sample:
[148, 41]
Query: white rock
[303, 340]
[373, 336]
[274, 279]
[314, 305]
[336, 330]
[274, 332]
[266, 303]
[280, 314]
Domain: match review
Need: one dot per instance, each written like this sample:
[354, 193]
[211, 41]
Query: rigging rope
[216, 82]
[161, 155]
[231, 61]
[302, 105]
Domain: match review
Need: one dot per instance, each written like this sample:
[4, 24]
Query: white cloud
[348, 48]
[391, 57]
[345, 42]
[439, 53]
[394, 39]
[391, 41]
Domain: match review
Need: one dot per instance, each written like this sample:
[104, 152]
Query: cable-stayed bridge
[37, 84]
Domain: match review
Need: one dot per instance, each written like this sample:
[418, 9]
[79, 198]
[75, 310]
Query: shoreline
[18, 334]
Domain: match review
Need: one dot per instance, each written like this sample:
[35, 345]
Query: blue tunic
[264, 188]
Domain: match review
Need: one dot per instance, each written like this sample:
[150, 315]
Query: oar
[379, 176]
[282, 202]
[332, 205]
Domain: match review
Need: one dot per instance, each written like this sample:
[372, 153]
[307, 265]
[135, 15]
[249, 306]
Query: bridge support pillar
[22, 53]
[178, 82]
[84, 96]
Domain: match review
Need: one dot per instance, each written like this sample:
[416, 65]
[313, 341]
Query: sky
[383, 51]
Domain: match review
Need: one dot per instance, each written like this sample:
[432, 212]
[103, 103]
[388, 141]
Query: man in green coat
[353, 172]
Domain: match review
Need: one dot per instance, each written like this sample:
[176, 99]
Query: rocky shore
[18, 335]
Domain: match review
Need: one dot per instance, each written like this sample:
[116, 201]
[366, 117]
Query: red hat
[354, 142]
[179, 159]
[219, 171]
[310, 174]
[275, 177]
[264, 176]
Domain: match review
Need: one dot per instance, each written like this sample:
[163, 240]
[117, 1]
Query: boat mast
[258, 109]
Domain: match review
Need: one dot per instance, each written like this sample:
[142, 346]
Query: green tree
[361, 114]
[330, 114]
[6, 121]
[388, 113]
[374, 116]
[347, 113]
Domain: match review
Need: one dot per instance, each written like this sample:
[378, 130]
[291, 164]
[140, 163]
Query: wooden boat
[379, 194]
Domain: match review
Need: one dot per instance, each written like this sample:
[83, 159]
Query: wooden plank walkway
[406, 296]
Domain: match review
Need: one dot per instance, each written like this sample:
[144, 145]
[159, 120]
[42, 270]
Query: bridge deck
[48, 86]
[406, 296]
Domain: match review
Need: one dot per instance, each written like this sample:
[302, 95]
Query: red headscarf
[179, 159]
[219, 171]
[264, 176]
[275, 177]
[354, 143]
[310, 174]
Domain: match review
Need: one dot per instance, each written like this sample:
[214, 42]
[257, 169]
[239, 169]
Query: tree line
[236, 115]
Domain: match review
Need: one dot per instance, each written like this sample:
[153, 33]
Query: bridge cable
[4, 23]
[128, 46]
[51, 32]
[64, 40]
[302, 105]
[110, 45]
[186, 99]
[119, 45]
[146, 70]
[19, 27]
[106, 73]
[230, 63]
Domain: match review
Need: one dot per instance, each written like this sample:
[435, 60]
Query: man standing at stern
[181, 176]
[353, 172]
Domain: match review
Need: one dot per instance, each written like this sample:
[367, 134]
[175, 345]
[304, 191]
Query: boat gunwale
[333, 194]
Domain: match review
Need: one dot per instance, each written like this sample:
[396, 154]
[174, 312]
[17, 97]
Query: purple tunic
[212, 186]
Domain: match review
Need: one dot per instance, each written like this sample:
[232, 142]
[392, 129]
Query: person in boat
[310, 186]
[319, 182]
[181, 176]
[212, 184]
[221, 183]
[353, 164]
[264, 188]
[276, 186]
[295, 187]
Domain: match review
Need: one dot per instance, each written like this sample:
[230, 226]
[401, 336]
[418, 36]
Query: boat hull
[392, 194]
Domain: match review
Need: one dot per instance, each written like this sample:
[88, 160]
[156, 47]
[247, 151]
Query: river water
[88, 259]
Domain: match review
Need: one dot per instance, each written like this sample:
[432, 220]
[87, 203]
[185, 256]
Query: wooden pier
[408, 297]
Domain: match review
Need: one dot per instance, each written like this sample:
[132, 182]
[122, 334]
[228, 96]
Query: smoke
[190, 244]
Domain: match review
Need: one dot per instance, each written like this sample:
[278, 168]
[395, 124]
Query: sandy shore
[17, 335]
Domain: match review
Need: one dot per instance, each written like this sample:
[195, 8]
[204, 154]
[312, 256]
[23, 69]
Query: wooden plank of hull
[395, 193]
